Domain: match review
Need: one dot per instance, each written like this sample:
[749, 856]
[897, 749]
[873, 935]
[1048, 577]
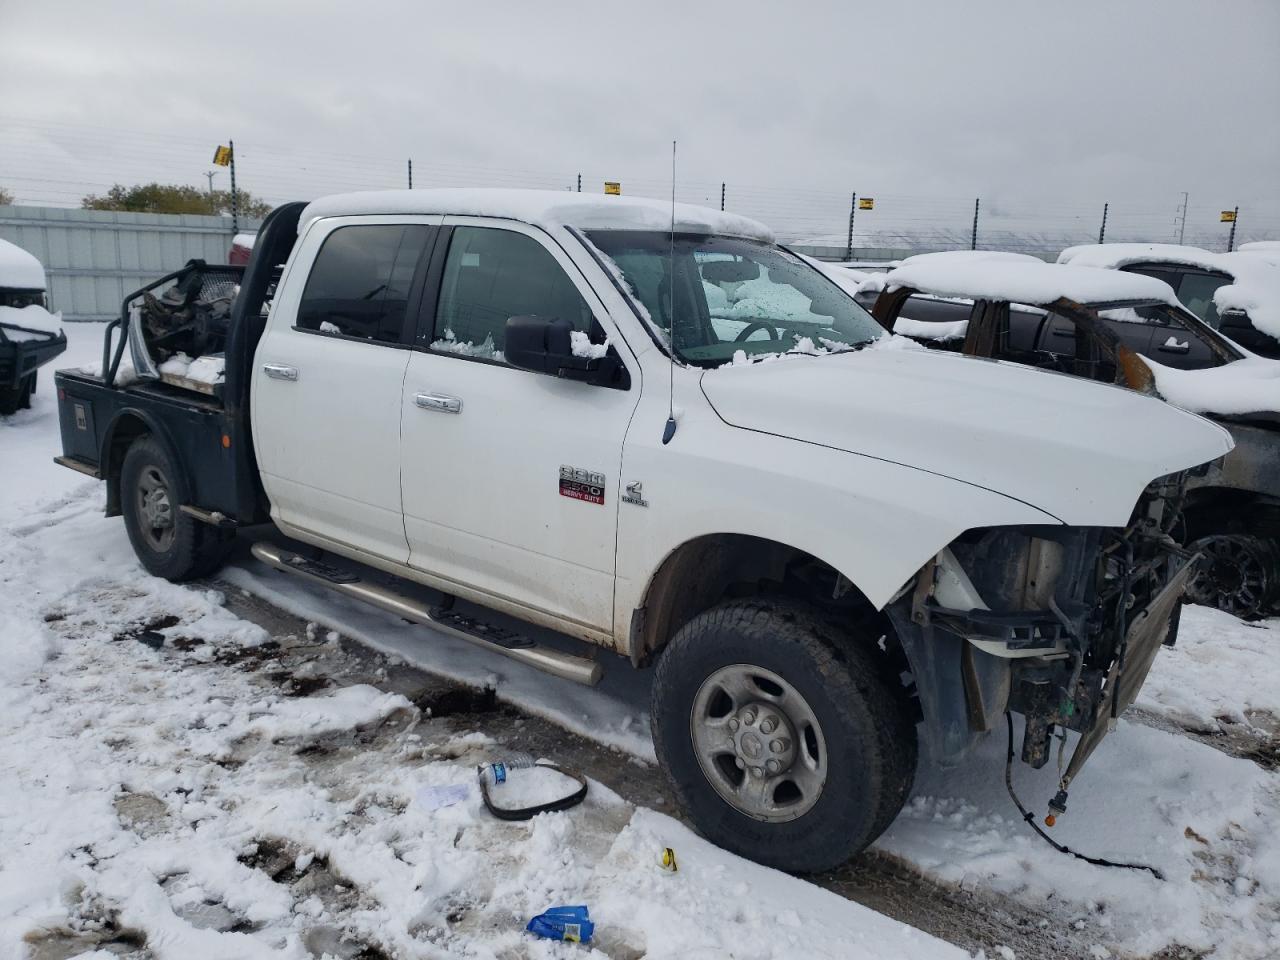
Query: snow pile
[19, 270]
[1211, 678]
[207, 369]
[485, 350]
[1268, 250]
[1251, 385]
[30, 317]
[158, 788]
[1255, 273]
[549, 209]
[926, 330]
[581, 345]
[1021, 280]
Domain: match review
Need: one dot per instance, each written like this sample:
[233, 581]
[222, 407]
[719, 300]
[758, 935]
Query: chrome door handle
[438, 402]
[278, 371]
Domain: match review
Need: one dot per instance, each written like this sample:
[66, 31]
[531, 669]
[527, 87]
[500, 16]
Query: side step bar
[499, 640]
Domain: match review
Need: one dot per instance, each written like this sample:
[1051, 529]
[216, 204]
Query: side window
[359, 283]
[1196, 293]
[491, 275]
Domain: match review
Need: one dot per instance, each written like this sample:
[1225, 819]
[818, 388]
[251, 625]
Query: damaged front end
[1058, 623]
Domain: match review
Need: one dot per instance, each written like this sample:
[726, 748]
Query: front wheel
[168, 542]
[785, 741]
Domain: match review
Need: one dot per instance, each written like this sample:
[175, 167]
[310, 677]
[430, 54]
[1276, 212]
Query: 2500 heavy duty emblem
[578, 484]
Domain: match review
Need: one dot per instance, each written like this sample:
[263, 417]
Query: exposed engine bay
[1060, 624]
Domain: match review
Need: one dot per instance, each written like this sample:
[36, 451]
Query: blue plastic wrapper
[563, 923]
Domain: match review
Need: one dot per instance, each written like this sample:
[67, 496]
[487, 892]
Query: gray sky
[1043, 110]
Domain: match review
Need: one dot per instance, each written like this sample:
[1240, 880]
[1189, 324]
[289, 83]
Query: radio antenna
[669, 430]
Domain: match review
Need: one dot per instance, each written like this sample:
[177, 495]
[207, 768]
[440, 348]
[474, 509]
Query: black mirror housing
[545, 345]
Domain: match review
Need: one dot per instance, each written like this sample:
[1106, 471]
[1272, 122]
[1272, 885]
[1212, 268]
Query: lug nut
[757, 771]
[749, 717]
[779, 746]
[737, 762]
[733, 723]
[773, 766]
[769, 726]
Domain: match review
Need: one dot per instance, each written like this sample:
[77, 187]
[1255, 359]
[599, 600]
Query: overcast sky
[1049, 108]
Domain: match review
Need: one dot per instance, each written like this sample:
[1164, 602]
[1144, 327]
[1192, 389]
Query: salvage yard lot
[186, 775]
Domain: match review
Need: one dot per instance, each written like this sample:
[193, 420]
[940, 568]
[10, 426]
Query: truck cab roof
[549, 209]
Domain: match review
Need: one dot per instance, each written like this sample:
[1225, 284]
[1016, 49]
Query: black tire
[13, 399]
[182, 548]
[851, 691]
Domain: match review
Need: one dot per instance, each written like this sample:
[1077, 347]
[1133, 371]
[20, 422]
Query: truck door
[510, 478]
[328, 376]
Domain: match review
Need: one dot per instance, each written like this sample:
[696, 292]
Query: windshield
[731, 295]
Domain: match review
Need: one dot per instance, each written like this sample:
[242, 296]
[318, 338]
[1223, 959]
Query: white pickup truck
[659, 432]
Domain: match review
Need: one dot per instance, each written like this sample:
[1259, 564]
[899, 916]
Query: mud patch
[147, 632]
[292, 685]
[459, 701]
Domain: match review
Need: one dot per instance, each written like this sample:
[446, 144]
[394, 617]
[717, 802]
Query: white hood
[1080, 451]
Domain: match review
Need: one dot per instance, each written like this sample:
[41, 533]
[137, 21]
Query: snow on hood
[32, 317]
[19, 269]
[1254, 270]
[1023, 280]
[1078, 450]
[1251, 385]
[544, 208]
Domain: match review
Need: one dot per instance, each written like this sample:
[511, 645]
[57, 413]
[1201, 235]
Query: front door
[510, 478]
[328, 380]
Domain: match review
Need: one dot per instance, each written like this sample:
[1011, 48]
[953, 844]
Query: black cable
[1060, 847]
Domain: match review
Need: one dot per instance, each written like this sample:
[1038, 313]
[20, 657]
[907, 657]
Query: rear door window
[360, 282]
[491, 275]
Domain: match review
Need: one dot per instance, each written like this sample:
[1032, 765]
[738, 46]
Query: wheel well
[707, 570]
[124, 432]
[1210, 510]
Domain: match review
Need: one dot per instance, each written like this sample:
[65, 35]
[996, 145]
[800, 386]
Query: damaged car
[1119, 327]
[652, 429]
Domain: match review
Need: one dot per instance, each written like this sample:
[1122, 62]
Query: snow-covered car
[652, 429]
[30, 336]
[1101, 323]
[1237, 293]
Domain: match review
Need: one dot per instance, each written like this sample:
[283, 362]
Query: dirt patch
[147, 632]
[460, 700]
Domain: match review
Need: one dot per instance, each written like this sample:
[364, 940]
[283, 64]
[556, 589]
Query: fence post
[235, 203]
[973, 242]
[722, 196]
[848, 247]
[410, 173]
[579, 183]
[1102, 232]
[1231, 239]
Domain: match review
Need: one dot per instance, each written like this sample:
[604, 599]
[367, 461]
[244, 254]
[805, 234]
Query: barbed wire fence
[836, 221]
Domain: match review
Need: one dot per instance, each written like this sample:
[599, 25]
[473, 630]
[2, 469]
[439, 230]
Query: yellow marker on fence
[613, 188]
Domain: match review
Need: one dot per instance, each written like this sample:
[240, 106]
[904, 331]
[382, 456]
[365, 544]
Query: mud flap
[1145, 635]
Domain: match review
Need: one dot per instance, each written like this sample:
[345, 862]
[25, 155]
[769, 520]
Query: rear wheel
[1238, 573]
[785, 742]
[13, 399]
[168, 542]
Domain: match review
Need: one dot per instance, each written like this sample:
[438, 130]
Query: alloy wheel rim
[155, 509]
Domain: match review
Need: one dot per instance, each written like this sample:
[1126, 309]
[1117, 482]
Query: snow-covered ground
[159, 794]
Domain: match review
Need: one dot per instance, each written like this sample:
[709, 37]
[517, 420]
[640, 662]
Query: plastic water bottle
[495, 771]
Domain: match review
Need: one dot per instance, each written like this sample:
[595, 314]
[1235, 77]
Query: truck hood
[1077, 450]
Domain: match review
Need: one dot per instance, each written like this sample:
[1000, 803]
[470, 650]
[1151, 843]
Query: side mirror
[544, 345]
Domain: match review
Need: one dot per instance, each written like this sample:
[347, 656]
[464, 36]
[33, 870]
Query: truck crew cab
[559, 407]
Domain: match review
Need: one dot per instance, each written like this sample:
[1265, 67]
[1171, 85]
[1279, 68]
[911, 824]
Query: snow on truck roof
[544, 208]
[980, 275]
[19, 269]
[1255, 275]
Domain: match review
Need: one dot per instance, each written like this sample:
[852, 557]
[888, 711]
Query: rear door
[510, 478]
[328, 379]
